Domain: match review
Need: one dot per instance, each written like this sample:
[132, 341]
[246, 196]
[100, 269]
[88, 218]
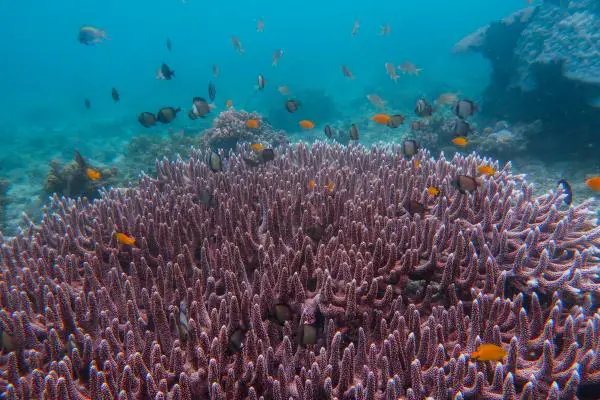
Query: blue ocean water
[47, 73]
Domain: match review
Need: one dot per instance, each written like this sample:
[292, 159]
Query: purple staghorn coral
[277, 291]
[229, 128]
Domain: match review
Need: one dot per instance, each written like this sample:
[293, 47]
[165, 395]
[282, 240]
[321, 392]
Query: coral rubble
[282, 291]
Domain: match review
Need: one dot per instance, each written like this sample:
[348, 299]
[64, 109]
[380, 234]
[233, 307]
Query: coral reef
[546, 65]
[229, 128]
[72, 180]
[280, 291]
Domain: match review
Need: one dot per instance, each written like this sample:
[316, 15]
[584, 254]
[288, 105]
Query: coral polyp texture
[230, 127]
[279, 289]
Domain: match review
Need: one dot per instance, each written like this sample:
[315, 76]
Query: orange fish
[488, 352]
[258, 147]
[229, 104]
[306, 124]
[330, 187]
[460, 141]
[93, 174]
[486, 170]
[417, 164]
[593, 183]
[311, 184]
[252, 124]
[124, 238]
[433, 191]
[382, 119]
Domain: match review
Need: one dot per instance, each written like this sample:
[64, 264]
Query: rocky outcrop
[546, 65]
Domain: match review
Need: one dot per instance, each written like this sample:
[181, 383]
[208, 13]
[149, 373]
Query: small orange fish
[593, 183]
[311, 184]
[488, 352]
[460, 141]
[382, 119]
[306, 124]
[258, 147]
[329, 187]
[252, 124]
[93, 174]
[229, 104]
[124, 238]
[417, 164]
[433, 191]
[486, 170]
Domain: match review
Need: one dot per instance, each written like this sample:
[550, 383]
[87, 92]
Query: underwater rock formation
[229, 128]
[546, 66]
[71, 179]
[287, 292]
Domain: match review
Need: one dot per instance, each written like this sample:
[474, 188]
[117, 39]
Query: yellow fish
[124, 238]
[488, 352]
[257, 147]
[417, 164]
[486, 170]
[460, 141]
[330, 187]
[93, 174]
[311, 184]
[433, 191]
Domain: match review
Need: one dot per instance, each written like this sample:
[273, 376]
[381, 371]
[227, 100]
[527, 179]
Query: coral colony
[279, 291]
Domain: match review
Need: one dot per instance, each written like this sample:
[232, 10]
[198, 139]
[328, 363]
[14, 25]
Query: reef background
[49, 74]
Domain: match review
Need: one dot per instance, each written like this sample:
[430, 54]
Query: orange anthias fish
[433, 191]
[417, 164]
[593, 183]
[93, 174]
[488, 352]
[252, 123]
[306, 124]
[258, 147]
[124, 238]
[486, 170]
[460, 141]
[382, 119]
[330, 187]
[311, 184]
